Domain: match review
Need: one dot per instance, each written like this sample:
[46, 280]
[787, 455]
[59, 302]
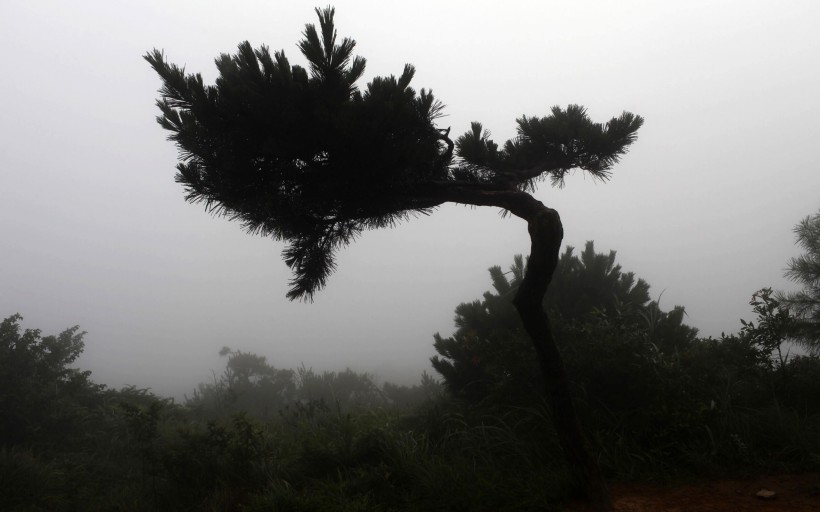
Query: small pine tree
[805, 270]
[589, 296]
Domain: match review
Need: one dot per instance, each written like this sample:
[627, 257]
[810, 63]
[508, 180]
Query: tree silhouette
[42, 396]
[805, 270]
[305, 156]
[489, 355]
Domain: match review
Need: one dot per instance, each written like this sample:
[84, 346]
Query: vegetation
[40, 395]
[489, 354]
[659, 399]
[660, 403]
[305, 156]
[805, 270]
[250, 385]
[308, 158]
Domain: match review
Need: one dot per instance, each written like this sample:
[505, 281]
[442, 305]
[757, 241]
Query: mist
[97, 234]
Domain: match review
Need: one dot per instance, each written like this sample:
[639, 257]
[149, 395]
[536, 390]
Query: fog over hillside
[96, 232]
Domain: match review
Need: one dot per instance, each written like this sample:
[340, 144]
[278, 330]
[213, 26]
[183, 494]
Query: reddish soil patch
[793, 493]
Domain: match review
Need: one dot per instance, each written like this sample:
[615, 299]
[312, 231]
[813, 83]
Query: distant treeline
[249, 384]
[657, 401]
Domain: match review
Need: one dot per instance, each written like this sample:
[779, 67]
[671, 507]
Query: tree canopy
[306, 156]
[590, 300]
[40, 391]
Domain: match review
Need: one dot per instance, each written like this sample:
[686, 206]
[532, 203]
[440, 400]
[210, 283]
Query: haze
[95, 232]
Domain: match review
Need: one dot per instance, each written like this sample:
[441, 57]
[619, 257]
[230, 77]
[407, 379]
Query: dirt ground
[793, 493]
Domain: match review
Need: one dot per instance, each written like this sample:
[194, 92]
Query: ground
[794, 493]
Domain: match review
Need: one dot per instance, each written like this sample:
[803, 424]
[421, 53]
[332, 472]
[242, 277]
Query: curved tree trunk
[546, 234]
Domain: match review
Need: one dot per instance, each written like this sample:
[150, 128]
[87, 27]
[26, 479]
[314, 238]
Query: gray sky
[94, 231]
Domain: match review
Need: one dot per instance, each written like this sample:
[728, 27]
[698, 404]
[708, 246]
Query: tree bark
[546, 234]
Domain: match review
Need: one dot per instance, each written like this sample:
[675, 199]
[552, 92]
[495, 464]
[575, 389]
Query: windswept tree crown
[305, 156]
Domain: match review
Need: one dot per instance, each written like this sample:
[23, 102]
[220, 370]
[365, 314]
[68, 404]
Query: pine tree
[805, 270]
[489, 354]
[305, 156]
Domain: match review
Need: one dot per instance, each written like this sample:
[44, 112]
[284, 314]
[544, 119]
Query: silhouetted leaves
[310, 159]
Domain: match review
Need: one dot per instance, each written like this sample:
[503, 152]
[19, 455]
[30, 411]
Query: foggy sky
[94, 231]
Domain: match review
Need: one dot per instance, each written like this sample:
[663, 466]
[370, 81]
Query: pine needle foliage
[303, 155]
[805, 271]
[590, 298]
[300, 155]
[550, 146]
